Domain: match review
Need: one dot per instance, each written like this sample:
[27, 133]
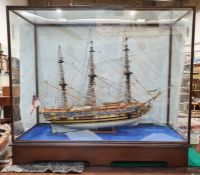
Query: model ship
[90, 115]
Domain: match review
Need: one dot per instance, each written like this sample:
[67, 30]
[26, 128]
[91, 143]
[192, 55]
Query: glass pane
[61, 16]
[23, 72]
[181, 71]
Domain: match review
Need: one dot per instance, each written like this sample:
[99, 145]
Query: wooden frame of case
[104, 152]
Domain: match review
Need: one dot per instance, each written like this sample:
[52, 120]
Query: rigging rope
[85, 63]
[110, 65]
[134, 77]
[47, 83]
[111, 85]
[146, 74]
[100, 78]
[82, 74]
[141, 85]
[149, 66]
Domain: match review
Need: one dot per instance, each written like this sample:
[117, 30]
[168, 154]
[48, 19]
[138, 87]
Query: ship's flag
[35, 103]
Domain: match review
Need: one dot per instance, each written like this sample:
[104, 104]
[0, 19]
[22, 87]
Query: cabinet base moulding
[174, 155]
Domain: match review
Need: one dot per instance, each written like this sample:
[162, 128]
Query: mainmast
[91, 97]
[127, 73]
[62, 83]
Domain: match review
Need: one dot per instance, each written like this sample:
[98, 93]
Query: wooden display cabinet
[174, 153]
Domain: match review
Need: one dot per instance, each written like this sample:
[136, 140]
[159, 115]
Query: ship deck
[141, 132]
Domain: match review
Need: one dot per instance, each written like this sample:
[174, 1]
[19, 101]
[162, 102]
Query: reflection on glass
[102, 75]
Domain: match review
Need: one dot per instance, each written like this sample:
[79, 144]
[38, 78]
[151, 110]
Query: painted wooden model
[91, 115]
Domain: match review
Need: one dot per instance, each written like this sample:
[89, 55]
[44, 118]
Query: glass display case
[95, 83]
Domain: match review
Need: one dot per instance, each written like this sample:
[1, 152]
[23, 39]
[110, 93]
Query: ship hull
[98, 125]
[97, 119]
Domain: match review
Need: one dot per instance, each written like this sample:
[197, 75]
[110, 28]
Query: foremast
[127, 73]
[91, 97]
[62, 82]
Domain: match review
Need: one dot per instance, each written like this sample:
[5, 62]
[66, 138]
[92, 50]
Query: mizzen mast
[91, 97]
[62, 83]
[127, 73]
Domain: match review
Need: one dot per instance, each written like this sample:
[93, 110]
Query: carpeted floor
[141, 132]
[56, 167]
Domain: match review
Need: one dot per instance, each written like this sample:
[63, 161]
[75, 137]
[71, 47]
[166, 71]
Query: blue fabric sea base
[141, 132]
